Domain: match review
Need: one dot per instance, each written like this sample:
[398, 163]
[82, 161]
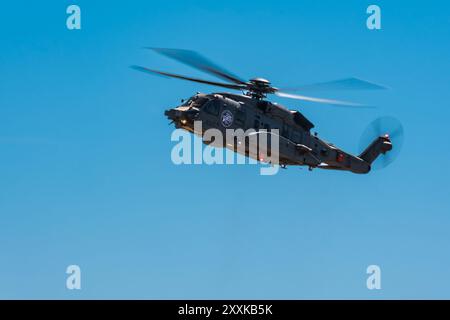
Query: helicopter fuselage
[297, 145]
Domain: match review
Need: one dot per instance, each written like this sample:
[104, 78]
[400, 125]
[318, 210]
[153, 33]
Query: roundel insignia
[226, 118]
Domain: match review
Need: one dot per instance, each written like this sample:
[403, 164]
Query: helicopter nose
[181, 116]
[172, 114]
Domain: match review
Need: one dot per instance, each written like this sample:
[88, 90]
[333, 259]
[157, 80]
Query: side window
[296, 137]
[256, 125]
[285, 131]
[240, 118]
[212, 107]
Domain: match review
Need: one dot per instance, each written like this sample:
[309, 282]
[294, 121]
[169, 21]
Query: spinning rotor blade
[321, 100]
[379, 127]
[195, 60]
[256, 87]
[341, 84]
[219, 84]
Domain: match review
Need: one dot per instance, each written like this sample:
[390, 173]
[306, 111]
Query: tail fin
[380, 145]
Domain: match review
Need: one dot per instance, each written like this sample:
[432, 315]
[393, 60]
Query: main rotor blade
[341, 84]
[195, 60]
[321, 100]
[225, 85]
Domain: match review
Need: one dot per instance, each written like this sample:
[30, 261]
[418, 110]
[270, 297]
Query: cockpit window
[200, 101]
[195, 101]
[187, 102]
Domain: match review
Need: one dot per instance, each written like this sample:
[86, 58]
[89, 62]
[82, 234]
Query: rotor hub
[260, 82]
[259, 87]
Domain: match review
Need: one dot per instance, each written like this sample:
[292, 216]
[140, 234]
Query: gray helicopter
[251, 110]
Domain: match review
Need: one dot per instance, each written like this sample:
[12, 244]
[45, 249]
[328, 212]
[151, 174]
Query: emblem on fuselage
[226, 118]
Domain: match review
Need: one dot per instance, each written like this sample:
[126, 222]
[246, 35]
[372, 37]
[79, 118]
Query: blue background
[86, 176]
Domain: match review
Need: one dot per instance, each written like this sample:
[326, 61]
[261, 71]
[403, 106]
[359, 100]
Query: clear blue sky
[86, 176]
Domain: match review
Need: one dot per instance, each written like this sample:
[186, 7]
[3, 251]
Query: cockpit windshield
[187, 102]
[195, 101]
[200, 101]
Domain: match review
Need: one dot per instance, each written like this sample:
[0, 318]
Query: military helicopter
[251, 110]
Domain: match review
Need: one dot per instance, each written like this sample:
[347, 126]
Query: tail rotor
[387, 127]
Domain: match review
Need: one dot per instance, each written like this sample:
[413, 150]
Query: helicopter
[298, 146]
